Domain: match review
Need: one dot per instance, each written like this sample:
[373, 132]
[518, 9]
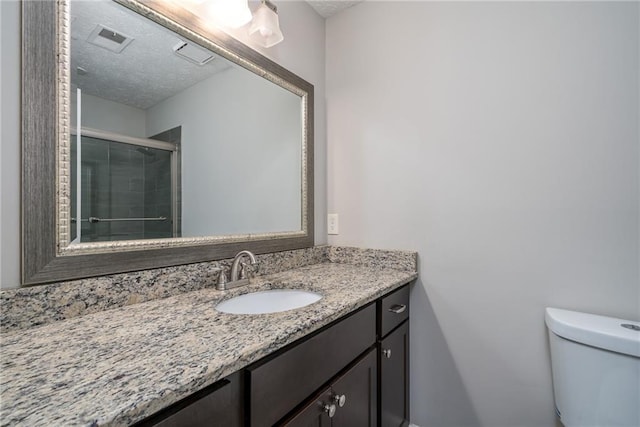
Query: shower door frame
[173, 148]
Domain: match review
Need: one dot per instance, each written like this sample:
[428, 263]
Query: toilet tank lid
[597, 331]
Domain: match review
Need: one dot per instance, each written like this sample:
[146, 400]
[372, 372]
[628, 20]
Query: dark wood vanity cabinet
[376, 386]
[279, 383]
[349, 401]
[351, 373]
[393, 318]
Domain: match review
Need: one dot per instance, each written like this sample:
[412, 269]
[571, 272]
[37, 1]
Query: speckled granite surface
[398, 260]
[38, 305]
[118, 366]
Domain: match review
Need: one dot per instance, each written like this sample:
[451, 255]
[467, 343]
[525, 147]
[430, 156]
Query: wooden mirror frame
[46, 255]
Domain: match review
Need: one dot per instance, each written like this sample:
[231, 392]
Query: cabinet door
[394, 378]
[358, 388]
[280, 383]
[315, 413]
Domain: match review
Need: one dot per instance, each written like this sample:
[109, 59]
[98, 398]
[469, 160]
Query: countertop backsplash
[374, 258]
[38, 305]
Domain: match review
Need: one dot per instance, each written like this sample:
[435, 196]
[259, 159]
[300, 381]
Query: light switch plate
[332, 224]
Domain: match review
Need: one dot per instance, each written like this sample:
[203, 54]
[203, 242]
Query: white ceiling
[327, 8]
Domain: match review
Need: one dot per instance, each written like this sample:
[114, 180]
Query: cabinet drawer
[394, 309]
[219, 404]
[283, 382]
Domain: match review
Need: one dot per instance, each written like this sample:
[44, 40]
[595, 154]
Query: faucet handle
[222, 280]
[243, 270]
[249, 270]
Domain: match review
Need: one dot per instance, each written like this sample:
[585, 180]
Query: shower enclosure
[123, 188]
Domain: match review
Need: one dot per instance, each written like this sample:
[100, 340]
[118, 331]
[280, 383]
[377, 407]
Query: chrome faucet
[241, 272]
[239, 268]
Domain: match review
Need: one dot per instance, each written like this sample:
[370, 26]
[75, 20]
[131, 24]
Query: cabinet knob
[330, 409]
[397, 308]
[387, 353]
[340, 399]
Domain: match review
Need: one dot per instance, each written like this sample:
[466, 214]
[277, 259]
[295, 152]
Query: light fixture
[265, 27]
[229, 13]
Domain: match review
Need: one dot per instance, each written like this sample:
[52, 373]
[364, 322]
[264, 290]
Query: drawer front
[394, 309]
[219, 404]
[283, 382]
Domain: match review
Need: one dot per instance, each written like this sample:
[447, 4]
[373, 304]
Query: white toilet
[596, 369]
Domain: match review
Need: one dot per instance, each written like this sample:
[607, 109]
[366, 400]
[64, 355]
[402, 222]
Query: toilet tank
[595, 362]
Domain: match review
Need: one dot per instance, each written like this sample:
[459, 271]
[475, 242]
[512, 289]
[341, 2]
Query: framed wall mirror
[151, 139]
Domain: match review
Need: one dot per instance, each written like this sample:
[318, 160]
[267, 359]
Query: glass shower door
[126, 191]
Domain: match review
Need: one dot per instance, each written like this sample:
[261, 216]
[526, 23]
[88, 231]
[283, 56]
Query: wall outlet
[332, 224]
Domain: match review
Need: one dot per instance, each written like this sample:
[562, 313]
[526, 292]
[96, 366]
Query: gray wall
[104, 114]
[500, 141]
[302, 52]
[240, 154]
[10, 143]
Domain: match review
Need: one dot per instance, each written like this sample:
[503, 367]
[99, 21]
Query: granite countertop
[118, 366]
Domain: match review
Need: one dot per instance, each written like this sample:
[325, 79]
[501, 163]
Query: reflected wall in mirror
[236, 166]
[155, 141]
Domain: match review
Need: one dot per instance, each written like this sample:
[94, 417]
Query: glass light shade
[191, 3]
[229, 13]
[265, 27]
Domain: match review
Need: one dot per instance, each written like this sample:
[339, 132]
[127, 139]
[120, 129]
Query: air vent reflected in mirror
[193, 53]
[109, 39]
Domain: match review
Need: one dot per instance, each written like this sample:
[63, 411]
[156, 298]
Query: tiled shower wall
[124, 181]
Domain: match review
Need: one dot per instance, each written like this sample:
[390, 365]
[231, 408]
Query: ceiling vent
[109, 39]
[193, 53]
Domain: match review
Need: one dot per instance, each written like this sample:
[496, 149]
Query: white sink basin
[272, 301]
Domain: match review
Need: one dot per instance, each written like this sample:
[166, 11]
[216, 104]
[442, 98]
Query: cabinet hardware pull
[397, 308]
[387, 353]
[340, 399]
[330, 410]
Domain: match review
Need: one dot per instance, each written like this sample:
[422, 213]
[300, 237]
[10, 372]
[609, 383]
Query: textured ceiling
[330, 8]
[146, 72]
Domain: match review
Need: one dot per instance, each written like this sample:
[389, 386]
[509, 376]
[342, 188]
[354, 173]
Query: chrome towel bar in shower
[94, 219]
